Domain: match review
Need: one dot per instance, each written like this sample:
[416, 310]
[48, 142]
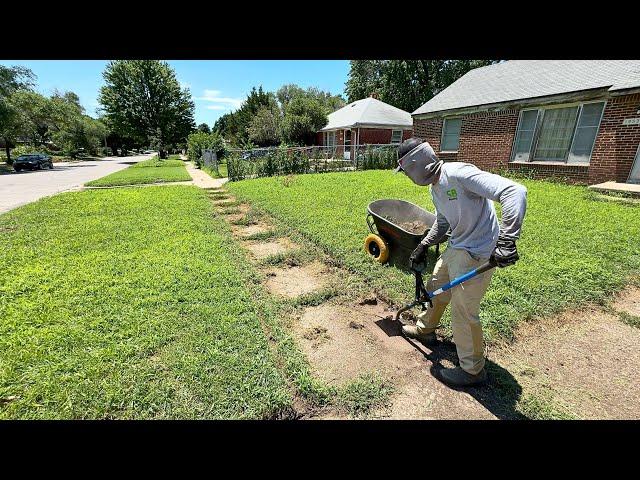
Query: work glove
[505, 253]
[418, 255]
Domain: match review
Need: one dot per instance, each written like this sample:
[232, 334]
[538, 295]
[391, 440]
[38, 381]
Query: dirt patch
[628, 301]
[264, 249]
[363, 340]
[295, 281]
[586, 359]
[247, 230]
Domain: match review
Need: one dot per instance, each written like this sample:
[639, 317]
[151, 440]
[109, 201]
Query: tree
[331, 103]
[143, 100]
[303, 117]
[406, 84]
[264, 129]
[204, 128]
[12, 80]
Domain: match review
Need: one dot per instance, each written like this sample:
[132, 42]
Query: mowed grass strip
[147, 171]
[130, 304]
[572, 249]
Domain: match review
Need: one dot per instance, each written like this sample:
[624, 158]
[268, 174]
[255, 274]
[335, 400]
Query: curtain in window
[555, 134]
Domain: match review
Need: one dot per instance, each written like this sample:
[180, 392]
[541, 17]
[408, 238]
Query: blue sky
[217, 86]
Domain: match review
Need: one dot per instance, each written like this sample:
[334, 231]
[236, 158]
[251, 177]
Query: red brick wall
[367, 135]
[616, 144]
[486, 140]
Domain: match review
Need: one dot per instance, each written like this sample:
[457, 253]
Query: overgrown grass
[572, 250]
[153, 170]
[115, 304]
[221, 173]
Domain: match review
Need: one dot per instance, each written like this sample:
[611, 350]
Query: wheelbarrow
[387, 221]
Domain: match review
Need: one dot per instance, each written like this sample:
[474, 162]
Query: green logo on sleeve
[452, 194]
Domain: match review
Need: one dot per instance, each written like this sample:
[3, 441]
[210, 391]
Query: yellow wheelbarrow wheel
[377, 248]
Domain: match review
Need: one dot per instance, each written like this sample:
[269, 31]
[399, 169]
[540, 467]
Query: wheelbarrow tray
[400, 211]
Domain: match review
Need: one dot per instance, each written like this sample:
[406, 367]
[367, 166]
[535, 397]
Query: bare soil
[293, 282]
[363, 340]
[628, 301]
[266, 248]
[247, 230]
[588, 359]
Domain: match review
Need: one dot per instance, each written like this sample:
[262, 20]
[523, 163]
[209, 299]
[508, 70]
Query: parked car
[32, 161]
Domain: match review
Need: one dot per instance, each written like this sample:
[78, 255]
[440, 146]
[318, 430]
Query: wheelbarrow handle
[370, 223]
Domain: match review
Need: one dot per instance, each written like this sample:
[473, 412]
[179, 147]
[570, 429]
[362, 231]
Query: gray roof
[369, 111]
[522, 79]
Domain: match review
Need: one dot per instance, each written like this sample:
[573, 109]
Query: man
[463, 196]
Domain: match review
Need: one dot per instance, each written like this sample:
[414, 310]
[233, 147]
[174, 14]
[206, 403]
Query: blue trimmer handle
[423, 297]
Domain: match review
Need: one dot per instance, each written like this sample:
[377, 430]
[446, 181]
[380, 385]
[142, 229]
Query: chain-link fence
[268, 162]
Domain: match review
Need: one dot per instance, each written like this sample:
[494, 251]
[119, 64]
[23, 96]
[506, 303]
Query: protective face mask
[421, 165]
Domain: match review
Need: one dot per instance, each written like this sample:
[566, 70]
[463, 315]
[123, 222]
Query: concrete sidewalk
[203, 179]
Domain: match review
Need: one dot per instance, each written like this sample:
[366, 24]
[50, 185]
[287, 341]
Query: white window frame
[536, 134]
[444, 123]
[395, 131]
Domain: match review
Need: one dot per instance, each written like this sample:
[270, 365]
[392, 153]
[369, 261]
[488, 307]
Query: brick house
[366, 121]
[574, 120]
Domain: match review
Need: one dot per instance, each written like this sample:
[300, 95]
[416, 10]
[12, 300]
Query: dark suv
[32, 161]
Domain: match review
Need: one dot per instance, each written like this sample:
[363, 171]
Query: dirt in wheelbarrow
[416, 227]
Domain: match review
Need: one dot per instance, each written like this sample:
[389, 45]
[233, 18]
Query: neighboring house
[573, 119]
[366, 121]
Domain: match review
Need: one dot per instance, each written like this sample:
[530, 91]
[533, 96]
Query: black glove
[505, 253]
[418, 255]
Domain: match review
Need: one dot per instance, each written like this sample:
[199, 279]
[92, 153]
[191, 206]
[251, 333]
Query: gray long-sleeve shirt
[463, 197]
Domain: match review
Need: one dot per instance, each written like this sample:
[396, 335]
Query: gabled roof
[523, 79]
[369, 112]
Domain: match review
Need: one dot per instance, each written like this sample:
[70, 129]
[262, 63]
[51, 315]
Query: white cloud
[223, 103]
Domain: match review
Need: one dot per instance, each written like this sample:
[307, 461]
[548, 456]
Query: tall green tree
[12, 80]
[204, 128]
[265, 127]
[143, 100]
[303, 117]
[406, 84]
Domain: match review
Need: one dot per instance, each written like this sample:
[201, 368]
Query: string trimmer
[423, 297]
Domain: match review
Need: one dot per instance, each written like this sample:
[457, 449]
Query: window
[396, 136]
[450, 135]
[524, 137]
[586, 132]
[330, 139]
[558, 134]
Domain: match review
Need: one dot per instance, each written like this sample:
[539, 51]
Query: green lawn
[117, 304]
[222, 169]
[573, 249]
[147, 171]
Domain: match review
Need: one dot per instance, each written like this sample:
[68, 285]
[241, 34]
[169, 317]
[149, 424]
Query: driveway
[19, 188]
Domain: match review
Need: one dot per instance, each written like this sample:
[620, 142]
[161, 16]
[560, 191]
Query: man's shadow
[502, 391]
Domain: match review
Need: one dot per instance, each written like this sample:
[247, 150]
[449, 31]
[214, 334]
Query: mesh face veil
[421, 164]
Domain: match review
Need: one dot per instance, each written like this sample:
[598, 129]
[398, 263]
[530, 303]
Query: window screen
[451, 135]
[526, 131]
[396, 136]
[586, 132]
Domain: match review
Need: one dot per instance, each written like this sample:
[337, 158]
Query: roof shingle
[369, 111]
[523, 79]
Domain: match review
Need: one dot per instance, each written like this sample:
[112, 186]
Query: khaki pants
[465, 306]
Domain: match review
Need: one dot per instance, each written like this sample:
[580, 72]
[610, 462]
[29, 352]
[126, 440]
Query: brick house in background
[576, 120]
[366, 121]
